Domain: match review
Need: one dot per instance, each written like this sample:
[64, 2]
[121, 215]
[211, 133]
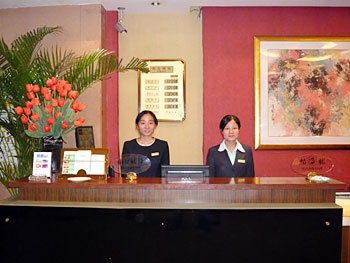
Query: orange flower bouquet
[51, 110]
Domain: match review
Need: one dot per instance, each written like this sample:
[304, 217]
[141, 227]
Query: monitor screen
[185, 171]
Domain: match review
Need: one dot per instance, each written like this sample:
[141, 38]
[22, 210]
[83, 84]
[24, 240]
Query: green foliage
[23, 62]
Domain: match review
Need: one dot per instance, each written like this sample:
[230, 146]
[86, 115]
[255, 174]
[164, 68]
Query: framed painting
[302, 92]
[84, 137]
[162, 89]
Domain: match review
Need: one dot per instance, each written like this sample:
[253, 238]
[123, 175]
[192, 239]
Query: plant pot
[50, 144]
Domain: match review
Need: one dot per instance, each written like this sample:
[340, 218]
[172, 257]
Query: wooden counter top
[206, 184]
[160, 190]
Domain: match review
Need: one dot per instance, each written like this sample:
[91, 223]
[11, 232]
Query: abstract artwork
[302, 92]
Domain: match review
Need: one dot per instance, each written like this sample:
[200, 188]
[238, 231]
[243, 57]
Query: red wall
[228, 52]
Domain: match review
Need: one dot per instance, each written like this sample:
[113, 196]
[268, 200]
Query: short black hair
[140, 115]
[226, 119]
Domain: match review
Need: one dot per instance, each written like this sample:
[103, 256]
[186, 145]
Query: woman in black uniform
[147, 145]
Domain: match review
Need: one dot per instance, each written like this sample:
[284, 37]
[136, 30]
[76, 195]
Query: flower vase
[50, 144]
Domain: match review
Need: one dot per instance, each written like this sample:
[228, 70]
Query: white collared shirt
[231, 155]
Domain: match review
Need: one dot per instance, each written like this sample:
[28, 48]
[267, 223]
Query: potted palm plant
[24, 62]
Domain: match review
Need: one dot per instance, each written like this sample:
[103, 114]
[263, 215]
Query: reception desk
[170, 191]
[157, 220]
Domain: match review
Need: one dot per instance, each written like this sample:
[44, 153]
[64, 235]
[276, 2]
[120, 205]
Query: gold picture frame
[302, 92]
[162, 90]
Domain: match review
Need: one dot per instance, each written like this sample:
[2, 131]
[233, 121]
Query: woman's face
[231, 131]
[146, 125]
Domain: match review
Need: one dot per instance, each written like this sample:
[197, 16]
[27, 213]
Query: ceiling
[170, 6]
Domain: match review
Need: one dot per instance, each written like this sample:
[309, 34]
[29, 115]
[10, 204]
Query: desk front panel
[75, 234]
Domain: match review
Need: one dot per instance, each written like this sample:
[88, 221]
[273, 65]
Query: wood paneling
[157, 190]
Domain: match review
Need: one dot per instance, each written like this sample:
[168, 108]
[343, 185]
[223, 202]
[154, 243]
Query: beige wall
[81, 32]
[165, 36]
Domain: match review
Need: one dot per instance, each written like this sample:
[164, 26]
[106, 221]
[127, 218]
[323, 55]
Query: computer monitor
[185, 171]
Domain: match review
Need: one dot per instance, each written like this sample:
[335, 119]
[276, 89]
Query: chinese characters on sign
[312, 163]
[162, 90]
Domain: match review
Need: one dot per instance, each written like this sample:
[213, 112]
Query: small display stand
[41, 165]
[82, 162]
[131, 164]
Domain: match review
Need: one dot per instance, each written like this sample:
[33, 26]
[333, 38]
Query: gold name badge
[241, 160]
[155, 154]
